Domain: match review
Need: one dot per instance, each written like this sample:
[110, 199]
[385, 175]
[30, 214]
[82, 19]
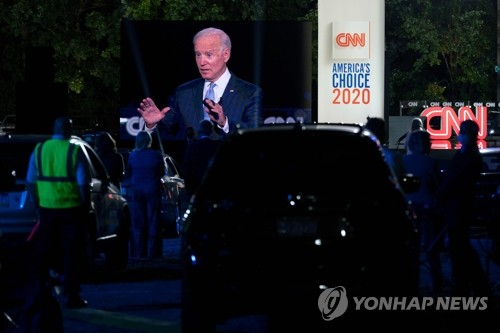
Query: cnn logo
[450, 121]
[347, 39]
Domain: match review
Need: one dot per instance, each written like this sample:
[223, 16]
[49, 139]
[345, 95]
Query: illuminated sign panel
[443, 118]
[450, 121]
[351, 40]
[350, 60]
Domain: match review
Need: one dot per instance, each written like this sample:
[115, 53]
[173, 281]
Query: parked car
[286, 211]
[488, 199]
[109, 217]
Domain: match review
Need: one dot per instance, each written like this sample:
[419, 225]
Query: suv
[109, 218]
[287, 211]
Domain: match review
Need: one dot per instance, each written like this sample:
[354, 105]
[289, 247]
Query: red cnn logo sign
[347, 39]
[450, 121]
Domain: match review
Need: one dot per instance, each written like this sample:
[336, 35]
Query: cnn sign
[450, 122]
[346, 39]
[351, 40]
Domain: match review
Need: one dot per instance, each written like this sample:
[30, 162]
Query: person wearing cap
[58, 179]
[198, 156]
[456, 199]
[378, 127]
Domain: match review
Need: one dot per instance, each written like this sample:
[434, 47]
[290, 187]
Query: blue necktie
[210, 95]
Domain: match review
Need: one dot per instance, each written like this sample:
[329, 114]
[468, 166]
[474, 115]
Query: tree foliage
[441, 50]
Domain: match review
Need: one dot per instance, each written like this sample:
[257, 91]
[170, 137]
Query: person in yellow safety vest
[59, 178]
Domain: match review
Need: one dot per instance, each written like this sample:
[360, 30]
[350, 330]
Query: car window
[172, 167]
[98, 168]
[491, 162]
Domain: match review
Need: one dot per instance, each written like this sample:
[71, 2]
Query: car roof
[335, 127]
[298, 155]
[490, 150]
[23, 137]
[31, 138]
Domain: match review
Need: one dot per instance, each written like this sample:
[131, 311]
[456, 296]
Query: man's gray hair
[224, 38]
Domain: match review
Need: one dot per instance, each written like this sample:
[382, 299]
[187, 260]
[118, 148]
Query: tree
[85, 39]
[441, 50]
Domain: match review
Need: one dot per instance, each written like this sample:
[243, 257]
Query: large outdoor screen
[157, 56]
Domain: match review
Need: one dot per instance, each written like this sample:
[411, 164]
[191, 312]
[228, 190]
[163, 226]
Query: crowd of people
[444, 204]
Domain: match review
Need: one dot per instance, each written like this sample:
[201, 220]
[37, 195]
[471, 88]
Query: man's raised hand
[150, 112]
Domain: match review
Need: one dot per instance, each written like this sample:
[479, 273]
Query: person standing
[145, 168]
[415, 125]
[456, 198]
[394, 158]
[218, 95]
[197, 157]
[418, 162]
[105, 147]
[59, 178]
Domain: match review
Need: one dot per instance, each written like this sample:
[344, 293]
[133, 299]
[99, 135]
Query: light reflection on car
[109, 218]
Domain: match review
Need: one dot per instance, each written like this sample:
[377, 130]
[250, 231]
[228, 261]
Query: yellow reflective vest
[56, 174]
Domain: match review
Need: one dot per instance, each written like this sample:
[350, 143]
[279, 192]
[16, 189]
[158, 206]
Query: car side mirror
[410, 183]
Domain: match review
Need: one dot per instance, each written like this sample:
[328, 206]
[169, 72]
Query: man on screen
[218, 95]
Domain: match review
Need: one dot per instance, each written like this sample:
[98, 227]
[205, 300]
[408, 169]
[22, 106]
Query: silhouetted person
[393, 158]
[190, 135]
[197, 156]
[415, 125]
[59, 177]
[457, 196]
[145, 168]
[105, 147]
[418, 162]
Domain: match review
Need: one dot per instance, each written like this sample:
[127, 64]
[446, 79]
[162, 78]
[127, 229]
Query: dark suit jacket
[144, 170]
[241, 101]
[457, 193]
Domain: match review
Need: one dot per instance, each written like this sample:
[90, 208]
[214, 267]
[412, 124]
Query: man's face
[211, 57]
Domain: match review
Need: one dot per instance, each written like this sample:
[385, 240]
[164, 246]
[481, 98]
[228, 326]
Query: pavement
[158, 318]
